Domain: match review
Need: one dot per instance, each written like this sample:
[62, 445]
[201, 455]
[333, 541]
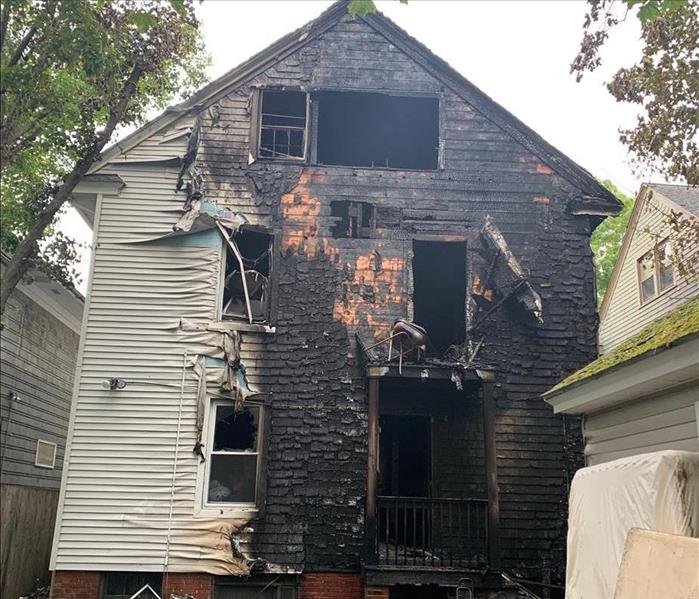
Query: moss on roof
[658, 335]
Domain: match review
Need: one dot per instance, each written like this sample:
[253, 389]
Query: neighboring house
[39, 347]
[240, 427]
[645, 284]
[642, 394]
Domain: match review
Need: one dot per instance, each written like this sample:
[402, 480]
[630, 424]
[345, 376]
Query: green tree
[71, 72]
[606, 240]
[664, 84]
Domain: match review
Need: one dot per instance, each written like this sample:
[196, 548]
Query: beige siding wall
[650, 424]
[625, 316]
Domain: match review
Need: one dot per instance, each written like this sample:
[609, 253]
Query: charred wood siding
[328, 289]
[331, 288]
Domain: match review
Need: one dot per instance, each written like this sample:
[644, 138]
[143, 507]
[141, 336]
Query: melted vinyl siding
[655, 423]
[625, 316]
[118, 490]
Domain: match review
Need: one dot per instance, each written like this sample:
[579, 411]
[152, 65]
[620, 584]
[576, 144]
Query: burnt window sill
[245, 327]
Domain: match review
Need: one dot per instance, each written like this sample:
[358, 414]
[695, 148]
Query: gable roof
[688, 196]
[594, 194]
[685, 196]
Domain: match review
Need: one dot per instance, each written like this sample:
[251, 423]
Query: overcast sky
[518, 52]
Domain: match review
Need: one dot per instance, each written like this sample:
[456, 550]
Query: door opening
[439, 296]
[405, 461]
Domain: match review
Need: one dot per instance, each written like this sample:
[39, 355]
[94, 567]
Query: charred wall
[330, 288]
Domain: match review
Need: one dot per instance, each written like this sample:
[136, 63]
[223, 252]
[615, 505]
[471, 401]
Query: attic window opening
[439, 293]
[354, 220]
[282, 124]
[378, 130]
[248, 285]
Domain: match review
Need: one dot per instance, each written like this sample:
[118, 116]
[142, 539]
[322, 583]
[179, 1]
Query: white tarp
[654, 491]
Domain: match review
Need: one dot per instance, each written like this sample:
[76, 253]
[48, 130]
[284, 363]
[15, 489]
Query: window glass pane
[646, 276]
[235, 431]
[665, 268]
[666, 277]
[232, 478]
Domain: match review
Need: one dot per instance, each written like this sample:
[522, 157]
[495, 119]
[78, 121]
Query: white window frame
[203, 507]
[36, 455]
[656, 272]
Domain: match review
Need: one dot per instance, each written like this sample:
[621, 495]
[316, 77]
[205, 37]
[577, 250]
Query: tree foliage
[606, 240]
[71, 72]
[364, 7]
[664, 84]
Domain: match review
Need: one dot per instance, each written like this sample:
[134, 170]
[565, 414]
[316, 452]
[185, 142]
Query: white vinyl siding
[126, 503]
[626, 315]
[651, 424]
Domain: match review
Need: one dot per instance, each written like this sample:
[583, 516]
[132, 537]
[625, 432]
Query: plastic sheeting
[654, 491]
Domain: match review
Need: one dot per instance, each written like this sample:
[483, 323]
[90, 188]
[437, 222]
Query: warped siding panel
[118, 494]
[625, 315]
[649, 424]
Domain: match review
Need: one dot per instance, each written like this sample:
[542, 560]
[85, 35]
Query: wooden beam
[372, 469]
[491, 470]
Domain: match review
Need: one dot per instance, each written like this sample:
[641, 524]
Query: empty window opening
[439, 293]
[354, 219]
[283, 124]
[122, 585]
[253, 287]
[377, 130]
[233, 454]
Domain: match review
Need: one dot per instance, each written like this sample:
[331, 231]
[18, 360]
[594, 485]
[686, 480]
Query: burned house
[327, 293]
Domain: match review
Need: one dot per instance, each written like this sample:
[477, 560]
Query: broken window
[234, 442]
[439, 293]
[282, 126]
[378, 130]
[353, 219]
[246, 288]
[655, 271]
[122, 585]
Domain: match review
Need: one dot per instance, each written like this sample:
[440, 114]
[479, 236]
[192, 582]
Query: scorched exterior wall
[124, 505]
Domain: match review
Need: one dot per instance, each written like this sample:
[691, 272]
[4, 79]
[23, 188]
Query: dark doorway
[405, 461]
[439, 296]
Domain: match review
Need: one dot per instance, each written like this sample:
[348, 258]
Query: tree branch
[4, 22]
[19, 50]
[19, 263]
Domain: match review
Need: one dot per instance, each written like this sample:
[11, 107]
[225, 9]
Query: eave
[649, 374]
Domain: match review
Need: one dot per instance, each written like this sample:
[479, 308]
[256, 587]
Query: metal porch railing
[431, 533]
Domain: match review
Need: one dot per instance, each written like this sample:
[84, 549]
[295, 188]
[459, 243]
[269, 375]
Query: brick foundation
[331, 586]
[198, 585]
[76, 584]
[376, 593]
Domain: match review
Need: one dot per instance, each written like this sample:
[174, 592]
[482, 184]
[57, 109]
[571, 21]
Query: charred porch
[432, 495]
